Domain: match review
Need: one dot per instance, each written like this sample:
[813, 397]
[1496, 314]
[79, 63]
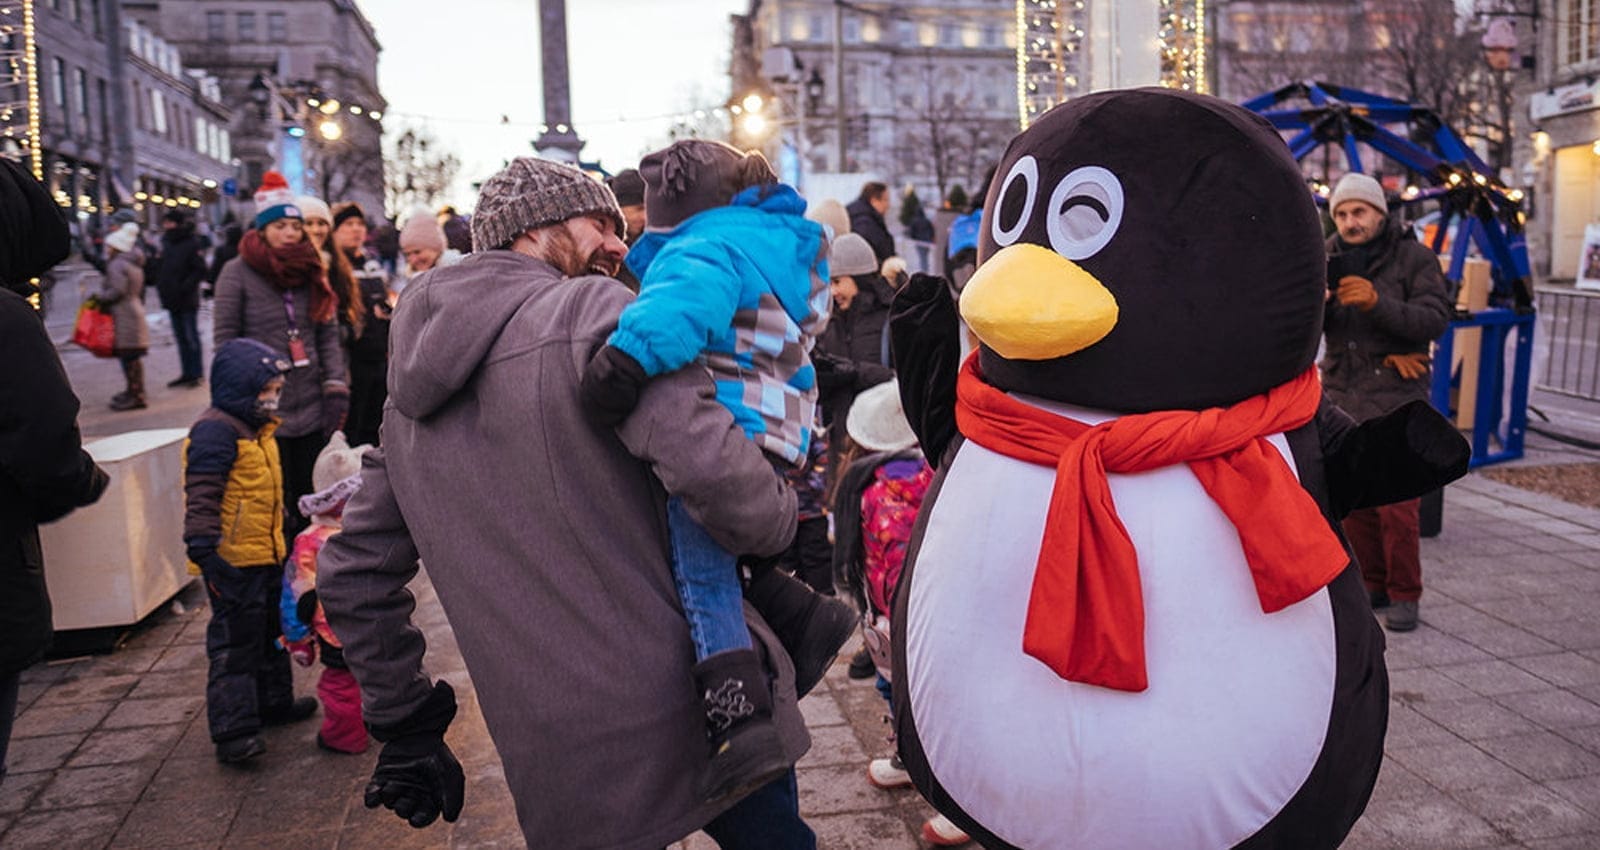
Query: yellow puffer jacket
[249, 513]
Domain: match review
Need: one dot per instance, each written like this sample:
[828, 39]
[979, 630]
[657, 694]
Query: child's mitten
[610, 387]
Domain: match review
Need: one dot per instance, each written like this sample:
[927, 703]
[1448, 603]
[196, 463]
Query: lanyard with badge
[297, 346]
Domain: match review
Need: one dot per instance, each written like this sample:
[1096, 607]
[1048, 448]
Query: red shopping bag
[95, 330]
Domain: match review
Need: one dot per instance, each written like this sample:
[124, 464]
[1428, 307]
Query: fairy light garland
[1182, 36]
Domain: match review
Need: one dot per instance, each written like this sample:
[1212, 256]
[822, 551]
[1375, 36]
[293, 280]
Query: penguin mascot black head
[1127, 616]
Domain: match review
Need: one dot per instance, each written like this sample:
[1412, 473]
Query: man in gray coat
[1387, 303]
[547, 542]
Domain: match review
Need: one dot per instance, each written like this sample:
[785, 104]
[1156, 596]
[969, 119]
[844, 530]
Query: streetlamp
[260, 94]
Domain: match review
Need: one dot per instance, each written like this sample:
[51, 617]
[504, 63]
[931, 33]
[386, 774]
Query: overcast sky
[456, 67]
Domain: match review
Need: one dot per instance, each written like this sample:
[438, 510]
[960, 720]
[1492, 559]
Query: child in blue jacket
[735, 278]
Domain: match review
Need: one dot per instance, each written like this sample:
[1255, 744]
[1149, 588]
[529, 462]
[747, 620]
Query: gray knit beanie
[851, 255]
[531, 193]
[1356, 186]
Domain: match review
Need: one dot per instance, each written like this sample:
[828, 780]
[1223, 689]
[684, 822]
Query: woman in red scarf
[276, 292]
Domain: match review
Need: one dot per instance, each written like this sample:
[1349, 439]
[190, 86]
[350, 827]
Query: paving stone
[1366, 835]
[191, 682]
[1433, 821]
[60, 719]
[1407, 729]
[1553, 709]
[182, 656]
[193, 779]
[318, 840]
[1508, 641]
[818, 710]
[73, 688]
[1565, 669]
[1543, 756]
[1476, 719]
[48, 753]
[1574, 633]
[1583, 791]
[1416, 685]
[87, 786]
[1428, 646]
[1585, 841]
[1492, 678]
[869, 831]
[489, 818]
[315, 798]
[834, 745]
[1587, 737]
[65, 829]
[155, 712]
[1455, 767]
[19, 789]
[164, 823]
[114, 746]
[122, 661]
[830, 790]
[48, 672]
[1526, 812]
[156, 636]
[380, 830]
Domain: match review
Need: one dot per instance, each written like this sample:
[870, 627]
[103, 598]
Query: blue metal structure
[1483, 212]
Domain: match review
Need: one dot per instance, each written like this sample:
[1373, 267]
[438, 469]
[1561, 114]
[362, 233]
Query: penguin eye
[1085, 212]
[1017, 195]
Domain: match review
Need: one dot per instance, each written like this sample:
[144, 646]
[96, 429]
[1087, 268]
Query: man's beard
[562, 251]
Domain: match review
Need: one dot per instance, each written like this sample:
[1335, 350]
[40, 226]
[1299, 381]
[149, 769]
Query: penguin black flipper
[1403, 454]
[925, 337]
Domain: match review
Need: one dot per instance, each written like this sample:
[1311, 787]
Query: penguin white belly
[1238, 702]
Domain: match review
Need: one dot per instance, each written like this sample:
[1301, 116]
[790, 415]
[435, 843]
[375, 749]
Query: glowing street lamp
[330, 130]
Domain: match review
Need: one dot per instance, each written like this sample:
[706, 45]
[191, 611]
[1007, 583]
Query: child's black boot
[811, 626]
[746, 752]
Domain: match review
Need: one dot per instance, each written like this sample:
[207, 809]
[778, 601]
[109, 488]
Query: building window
[818, 32]
[852, 30]
[216, 26]
[80, 83]
[991, 35]
[104, 103]
[158, 112]
[277, 27]
[949, 35]
[907, 33]
[246, 21]
[1581, 19]
[58, 81]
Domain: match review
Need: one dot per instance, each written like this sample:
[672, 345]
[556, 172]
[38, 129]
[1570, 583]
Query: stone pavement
[1494, 735]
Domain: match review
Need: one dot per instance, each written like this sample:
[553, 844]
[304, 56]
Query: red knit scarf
[1085, 613]
[291, 267]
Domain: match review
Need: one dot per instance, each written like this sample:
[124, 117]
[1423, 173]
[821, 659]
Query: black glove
[610, 387]
[206, 557]
[335, 406]
[417, 776]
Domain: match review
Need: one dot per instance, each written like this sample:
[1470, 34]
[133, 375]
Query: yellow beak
[1030, 303]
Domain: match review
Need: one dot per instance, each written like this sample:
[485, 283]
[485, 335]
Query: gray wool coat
[250, 306]
[123, 293]
[546, 540]
[1413, 309]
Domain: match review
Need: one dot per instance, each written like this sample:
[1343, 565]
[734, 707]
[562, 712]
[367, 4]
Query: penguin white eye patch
[1085, 212]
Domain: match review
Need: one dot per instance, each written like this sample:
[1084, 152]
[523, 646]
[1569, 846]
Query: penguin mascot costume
[1128, 618]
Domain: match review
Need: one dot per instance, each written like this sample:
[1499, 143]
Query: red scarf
[291, 267]
[1086, 613]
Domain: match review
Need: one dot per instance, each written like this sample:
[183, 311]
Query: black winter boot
[812, 627]
[746, 752]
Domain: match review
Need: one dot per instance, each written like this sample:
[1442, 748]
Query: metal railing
[1569, 320]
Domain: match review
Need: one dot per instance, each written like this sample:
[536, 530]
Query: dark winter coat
[44, 475]
[852, 354]
[225, 252]
[248, 305]
[1413, 310]
[123, 294]
[180, 268]
[869, 224]
[547, 542]
[371, 345]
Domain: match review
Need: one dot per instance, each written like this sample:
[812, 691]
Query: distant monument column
[558, 141]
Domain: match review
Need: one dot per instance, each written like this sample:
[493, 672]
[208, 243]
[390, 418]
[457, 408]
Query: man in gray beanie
[1387, 303]
[546, 540]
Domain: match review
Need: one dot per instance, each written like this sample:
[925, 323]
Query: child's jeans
[707, 578]
[249, 673]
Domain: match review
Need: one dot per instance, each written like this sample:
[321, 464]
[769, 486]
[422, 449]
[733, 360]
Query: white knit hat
[314, 208]
[1358, 187]
[124, 238]
[877, 422]
[335, 477]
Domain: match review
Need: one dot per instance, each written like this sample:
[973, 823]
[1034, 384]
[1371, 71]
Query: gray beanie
[851, 255]
[531, 193]
[1358, 187]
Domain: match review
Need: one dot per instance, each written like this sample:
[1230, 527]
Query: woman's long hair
[344, 286]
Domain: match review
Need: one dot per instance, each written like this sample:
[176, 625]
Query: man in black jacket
[866, 218]
[44, 472]
[179, 270]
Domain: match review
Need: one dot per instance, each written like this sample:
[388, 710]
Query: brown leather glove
[1410, 366]
[1357, 292]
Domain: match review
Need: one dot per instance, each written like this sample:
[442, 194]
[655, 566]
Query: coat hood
[449, 319]
[239, 371]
